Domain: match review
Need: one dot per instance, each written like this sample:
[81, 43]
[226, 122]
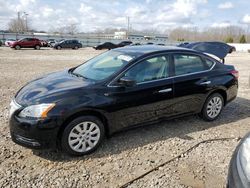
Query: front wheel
[212, 107]
[17, 47]
[82, 136]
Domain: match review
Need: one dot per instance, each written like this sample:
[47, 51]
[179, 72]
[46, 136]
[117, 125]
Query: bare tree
[208, 34]
[71, 29]
[17, 25]
[68, 29]
[20, 24]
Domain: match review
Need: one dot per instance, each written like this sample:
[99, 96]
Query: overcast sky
[90, 15]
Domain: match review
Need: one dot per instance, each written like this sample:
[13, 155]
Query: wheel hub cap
[214, 107]
[84, 136]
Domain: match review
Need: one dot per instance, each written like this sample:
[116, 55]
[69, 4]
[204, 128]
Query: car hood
[13, 42]
[50, 88]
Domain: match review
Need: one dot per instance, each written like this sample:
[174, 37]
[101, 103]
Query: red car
[26, 43]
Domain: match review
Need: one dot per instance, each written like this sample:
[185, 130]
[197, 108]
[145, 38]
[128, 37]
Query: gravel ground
[126, 155]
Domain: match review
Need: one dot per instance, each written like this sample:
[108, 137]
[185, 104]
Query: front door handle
[205, 83]
[165, 90]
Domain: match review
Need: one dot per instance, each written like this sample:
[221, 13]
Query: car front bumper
[34, 134]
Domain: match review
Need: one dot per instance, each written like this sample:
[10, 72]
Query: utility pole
[26, 21]
[18, 21]
[128, 26]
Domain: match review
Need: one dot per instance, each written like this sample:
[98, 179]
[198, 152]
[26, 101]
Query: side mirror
[126, 81]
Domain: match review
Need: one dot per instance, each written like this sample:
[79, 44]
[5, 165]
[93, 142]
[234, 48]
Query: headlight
[36, 111]
[243, 162]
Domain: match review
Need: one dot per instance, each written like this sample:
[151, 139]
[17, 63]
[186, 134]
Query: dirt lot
[128, 154]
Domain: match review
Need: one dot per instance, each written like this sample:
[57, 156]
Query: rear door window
[209, 63]
[188, 63]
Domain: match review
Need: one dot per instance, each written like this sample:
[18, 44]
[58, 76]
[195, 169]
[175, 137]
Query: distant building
[120, 35]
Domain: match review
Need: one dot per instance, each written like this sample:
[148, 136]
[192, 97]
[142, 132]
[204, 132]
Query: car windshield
[103, 66]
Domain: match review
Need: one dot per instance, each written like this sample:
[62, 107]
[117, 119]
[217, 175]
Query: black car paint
[105, 45]
[219, 49]
[110, 45]
[119, 107]
[124, 43]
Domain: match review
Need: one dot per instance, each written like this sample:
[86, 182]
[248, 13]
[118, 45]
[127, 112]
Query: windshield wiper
[78, 75]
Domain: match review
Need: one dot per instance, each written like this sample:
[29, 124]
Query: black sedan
[105, 45]
[121, 88]
[124, 43]
[239, 170]
[73, 44]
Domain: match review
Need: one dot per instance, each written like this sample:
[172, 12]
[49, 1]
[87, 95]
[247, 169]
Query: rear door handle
[205, 83]
[165, 90]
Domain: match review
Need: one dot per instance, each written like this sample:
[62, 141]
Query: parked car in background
[26, 43]
[239, 168]
[74, 44]
[124, 43]
[135, 44]
[116, 90]
[44, 43]
[105, 45]
[183, 44]
[51, 42]
[8, 42]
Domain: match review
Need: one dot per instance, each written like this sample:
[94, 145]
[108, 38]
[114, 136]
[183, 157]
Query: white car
[9, 41]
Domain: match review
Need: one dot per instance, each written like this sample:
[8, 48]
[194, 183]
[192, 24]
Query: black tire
[58, 47]
[205, 110]
[76, 47]
[65, 146]
[17, 47]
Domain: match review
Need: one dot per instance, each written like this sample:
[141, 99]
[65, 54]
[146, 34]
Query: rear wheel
[212, 107]
[37, 47]
[76, 47]
[82, 136]
[17, 47]
[59, 47]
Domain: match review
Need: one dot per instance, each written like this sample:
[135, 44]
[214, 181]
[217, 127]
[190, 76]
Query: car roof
[146, 49]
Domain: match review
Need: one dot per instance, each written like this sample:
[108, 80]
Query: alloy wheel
[17, 47]
[84, 136]
[214, 107]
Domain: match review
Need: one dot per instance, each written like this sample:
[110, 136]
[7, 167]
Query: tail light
[235, 73]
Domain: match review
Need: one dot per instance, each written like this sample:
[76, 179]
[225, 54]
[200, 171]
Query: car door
[151, 96]
[191, 82]
[30, 42]
[25, 42]
[69, 44]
